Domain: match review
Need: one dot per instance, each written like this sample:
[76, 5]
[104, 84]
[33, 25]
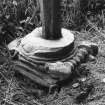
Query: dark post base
[34, 45]
[48, 62]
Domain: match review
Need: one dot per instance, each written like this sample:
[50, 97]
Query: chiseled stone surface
[34, 45]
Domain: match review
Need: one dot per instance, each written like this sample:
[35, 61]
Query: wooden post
[51, 29]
